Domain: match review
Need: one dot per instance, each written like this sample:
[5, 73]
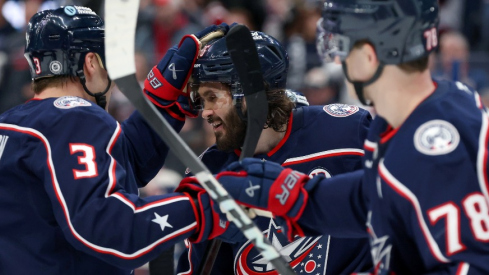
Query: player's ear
[91, 63]
[368, 60]
[370, 53]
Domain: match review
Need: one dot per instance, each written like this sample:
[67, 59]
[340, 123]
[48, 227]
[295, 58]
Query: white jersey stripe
[62, 201]
[478, 101]
[324, 154]
[370, 145]
[112, 165]
[112, 181]
[463, 269]
[482, 156]
[189, 257]
[406, 193]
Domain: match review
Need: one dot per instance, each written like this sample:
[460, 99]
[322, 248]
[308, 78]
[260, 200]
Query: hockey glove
[209, 223]
[267, 185]
[165, 83]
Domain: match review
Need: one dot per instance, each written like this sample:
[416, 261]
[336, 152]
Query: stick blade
[120, 28]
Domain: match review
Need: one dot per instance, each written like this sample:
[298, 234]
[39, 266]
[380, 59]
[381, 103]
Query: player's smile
[217, 124]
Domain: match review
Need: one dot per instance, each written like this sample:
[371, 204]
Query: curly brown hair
[279, 109]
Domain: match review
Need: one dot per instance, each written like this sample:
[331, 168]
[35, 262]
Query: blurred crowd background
[463, 53]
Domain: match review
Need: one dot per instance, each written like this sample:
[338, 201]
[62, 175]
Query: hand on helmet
[165, 83]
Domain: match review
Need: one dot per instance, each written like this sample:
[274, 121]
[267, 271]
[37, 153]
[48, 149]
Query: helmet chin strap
[100, 98]
[360, 85]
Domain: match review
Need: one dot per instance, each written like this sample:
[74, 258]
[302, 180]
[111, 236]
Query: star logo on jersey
[305, 255]
[162, 221]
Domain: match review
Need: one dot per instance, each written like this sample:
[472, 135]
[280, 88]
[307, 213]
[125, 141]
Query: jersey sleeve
[147, 151]
[336, 207]
[83, 163]
[358, 130]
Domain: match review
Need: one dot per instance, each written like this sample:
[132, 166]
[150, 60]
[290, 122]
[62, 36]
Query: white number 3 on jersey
[87, 158]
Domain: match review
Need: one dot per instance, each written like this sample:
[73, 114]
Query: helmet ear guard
[400, 30]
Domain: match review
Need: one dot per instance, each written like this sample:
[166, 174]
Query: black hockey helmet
[58, 40]
[400, 30]
[215, 65]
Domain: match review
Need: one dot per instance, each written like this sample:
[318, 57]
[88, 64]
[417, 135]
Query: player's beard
[234, 135]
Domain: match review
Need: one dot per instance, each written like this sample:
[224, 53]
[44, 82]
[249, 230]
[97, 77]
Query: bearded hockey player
[315, 140]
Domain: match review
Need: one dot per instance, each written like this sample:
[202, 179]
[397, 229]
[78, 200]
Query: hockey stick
[163, 264]
[242, 49]
[121, 18]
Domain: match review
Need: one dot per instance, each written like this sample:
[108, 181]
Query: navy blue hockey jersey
[319, 140]
[423, 199]
[69, 178]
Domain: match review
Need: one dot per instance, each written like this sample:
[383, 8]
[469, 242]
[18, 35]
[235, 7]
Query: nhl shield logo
[436, 137]
[68, 102]
[340, 110]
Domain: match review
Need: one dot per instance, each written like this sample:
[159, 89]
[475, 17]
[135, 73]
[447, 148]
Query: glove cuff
[209, 224]
[158, 86]
[176, 103]
[285, 191]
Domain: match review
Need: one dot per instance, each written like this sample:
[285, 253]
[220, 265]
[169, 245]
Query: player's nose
[206, 113]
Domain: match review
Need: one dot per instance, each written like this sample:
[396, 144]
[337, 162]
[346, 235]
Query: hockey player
[69, 173]
[315, 140]
[422, 197]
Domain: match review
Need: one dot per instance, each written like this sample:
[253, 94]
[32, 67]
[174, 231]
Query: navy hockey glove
[209, 223]
[165, 83]
[267, 185]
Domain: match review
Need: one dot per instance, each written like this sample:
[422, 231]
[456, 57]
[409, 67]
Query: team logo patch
[340, 110]
[55, 67]
[436, 137]
[306, 255]
[68, 102]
